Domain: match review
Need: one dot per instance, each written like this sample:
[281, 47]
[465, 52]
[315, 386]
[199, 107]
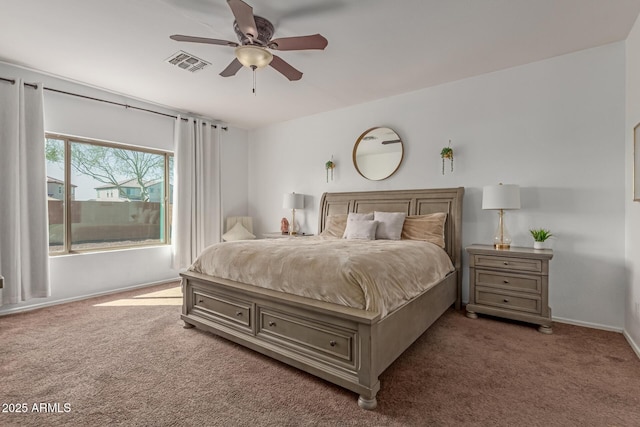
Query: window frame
[68, 193]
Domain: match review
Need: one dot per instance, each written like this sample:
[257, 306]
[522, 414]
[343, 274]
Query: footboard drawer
[322, 341]
[224, 309]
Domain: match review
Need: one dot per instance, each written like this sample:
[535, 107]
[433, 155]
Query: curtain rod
[35, 86]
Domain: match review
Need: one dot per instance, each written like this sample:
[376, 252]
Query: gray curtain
[24, 235]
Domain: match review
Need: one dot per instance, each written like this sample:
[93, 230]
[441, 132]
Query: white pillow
[361, 230]
[360, 216]
[237, 232]
[389, 224]
[357, 217]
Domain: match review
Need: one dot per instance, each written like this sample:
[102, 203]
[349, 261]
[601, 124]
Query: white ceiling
[377, 48]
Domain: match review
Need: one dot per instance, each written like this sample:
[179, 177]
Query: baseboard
[632, 343]
[578, 323]
[83, 297]
[587, 324]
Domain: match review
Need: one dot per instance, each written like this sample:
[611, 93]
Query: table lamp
[293, 201]
[501, 197]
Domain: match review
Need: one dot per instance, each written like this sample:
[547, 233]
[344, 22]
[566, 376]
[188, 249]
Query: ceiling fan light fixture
[253, 56]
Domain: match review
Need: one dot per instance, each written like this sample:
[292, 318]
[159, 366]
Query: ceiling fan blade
[285, 69]
[315, 41]
[231, 69]
[181, 38]
[244, 18]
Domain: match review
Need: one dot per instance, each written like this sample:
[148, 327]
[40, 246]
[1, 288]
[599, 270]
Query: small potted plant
[540, 235]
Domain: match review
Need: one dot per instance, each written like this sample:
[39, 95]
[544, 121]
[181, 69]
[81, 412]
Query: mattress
[374, 275]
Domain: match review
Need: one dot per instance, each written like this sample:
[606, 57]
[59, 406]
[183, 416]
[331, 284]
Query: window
[109, 195]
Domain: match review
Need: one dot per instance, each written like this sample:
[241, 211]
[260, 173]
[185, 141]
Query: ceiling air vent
[188, 62]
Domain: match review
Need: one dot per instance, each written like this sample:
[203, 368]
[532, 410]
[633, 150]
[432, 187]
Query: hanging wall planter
[330, 166]
[447, 153]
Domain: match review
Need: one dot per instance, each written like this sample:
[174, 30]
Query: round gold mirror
[378, 153]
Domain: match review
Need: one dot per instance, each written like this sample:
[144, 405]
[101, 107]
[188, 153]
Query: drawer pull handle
[506, 300]
[272, 323]
[200, 301]
[238, 313]
[505, 281]
[332, 343]
[506, 263]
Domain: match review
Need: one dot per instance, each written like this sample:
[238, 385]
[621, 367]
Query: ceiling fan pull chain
[253, 67]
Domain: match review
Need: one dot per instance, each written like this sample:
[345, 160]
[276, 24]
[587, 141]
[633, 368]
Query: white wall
[632, 309]
[554, 127]
[74, 276]
[235, 172]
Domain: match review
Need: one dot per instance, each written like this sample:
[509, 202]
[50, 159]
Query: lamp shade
[253, 56]
[293, 201]
[502, 196]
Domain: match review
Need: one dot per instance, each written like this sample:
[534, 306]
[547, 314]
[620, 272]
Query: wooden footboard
[346, 346]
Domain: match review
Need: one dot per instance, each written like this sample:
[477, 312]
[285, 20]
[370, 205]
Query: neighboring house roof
[51, 180]
[131, 183]
[155, 182]
[54, 180]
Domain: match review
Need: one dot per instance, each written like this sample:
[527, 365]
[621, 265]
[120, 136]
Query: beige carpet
[126, 360]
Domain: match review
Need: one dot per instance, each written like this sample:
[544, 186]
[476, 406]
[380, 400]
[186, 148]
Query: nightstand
[279, 235]
[510, 283]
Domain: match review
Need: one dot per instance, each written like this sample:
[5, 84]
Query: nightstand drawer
[503, 262]
[517, 282]
[509, 301]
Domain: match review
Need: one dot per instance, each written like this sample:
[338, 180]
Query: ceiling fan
[253, 50]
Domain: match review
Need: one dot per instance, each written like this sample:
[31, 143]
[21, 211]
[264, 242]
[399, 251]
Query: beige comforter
[377, 276]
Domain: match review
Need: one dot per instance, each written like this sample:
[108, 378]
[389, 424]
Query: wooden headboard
[413, 202]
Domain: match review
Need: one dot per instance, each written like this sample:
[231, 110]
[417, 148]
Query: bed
[347, 346]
